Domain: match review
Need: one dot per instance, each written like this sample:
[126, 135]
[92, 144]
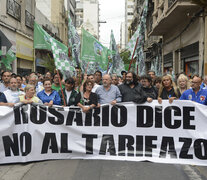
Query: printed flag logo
[98, 49]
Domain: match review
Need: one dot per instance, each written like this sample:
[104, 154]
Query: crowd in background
[91, 90]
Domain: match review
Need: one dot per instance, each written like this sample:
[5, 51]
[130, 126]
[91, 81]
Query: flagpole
[61, 87]
[108, 65]
[133, 54]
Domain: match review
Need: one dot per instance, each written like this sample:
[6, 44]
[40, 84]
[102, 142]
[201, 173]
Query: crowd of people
[91, 91]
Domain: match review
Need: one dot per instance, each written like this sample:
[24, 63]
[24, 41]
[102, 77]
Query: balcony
[13, 9]
[29, 20]
[170, 3]
[176, 14]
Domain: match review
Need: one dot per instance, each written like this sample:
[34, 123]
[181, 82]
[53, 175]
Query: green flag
[0, 52]
[93, 53]
[8, 59]
[42, 39]
[117, 63]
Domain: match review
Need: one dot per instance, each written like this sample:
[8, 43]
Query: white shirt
[95, 87]
[3, 87]
[12, 96]
[68, 93]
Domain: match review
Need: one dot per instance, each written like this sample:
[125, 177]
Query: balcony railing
[14, 9]
[170, 3]
[29, 19]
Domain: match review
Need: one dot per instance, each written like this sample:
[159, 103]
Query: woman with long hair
[168, 89]
[183, 83]
[87, 100]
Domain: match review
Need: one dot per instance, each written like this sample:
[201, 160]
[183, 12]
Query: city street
[100, 170]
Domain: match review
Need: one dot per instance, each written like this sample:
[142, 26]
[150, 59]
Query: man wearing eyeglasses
[196, 93]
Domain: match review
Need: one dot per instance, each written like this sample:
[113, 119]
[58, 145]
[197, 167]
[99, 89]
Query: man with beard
[131, 90]
[150, 91]
[10, 96]
[108, 93]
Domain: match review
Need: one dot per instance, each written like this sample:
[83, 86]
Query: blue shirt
[45, 98]
[105, 97]
[200, 97]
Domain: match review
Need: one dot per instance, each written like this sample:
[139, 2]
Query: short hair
[85, 84]
[70, 80]
[60, 74]
[158, 80]
[36, 77]
[151, 71]
[98, 72]
[196, 75]
[18, 76]
[28, 86]
[146, 77]
[12, 78]
[5, 72]
[46, 79]
[122, 72]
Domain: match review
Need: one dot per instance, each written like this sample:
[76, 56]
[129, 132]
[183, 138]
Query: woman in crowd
[183, 83]
[87, 100]
[49, 96]
[29, 96]
[168, 89]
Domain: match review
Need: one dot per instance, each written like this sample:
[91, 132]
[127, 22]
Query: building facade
[182, 27]
[87, 16]
[55, 11]
[71, 7]
[16, 22]
[129, 15]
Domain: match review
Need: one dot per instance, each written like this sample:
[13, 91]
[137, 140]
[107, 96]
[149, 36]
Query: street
[100, 170]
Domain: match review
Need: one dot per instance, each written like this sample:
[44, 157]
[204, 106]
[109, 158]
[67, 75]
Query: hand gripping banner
[163, 133]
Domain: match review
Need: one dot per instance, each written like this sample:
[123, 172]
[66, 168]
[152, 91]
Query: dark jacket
[135, 94]
[72, 97]
[93, 99]
[168, 94]
[150, 92]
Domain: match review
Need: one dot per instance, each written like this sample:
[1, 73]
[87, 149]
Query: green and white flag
[140, 30]
[61, 62]
[8, 59]
[94, 55]
[74, 42]
[117, 63]
[42, 40]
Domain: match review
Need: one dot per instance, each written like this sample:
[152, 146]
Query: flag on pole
[42, 40]
[140, 32]
[93, 54]
[59, 56]
[74, 42]
[140, 46]
[117, 63]
[8, 59]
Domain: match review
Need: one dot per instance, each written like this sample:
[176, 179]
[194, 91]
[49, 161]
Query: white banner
[167, 133]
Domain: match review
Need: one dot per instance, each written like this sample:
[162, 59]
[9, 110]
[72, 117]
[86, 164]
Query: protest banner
[164, 133]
